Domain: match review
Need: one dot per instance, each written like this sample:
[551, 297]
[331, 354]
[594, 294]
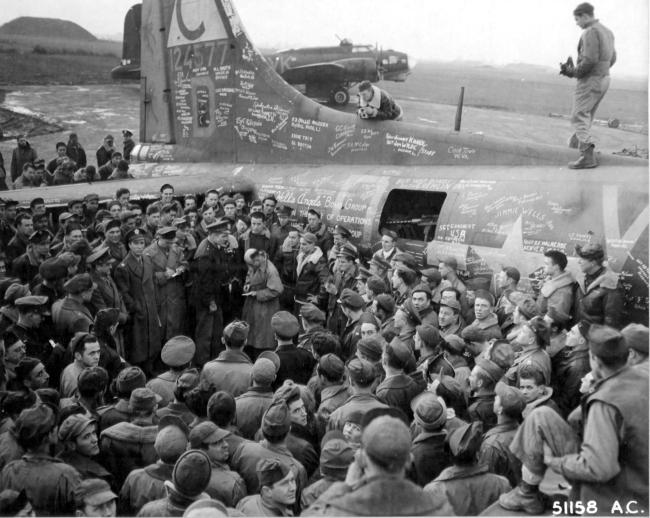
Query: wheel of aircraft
[340, 96]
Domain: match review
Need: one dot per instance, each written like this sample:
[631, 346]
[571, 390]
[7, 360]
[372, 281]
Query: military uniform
[355, 403]
[126, 446]
[48, 482]
[70, 316]
[144, 485]
[251, 406]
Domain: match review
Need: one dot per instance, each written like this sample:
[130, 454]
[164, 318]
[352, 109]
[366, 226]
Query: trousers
[543, 425]
[588, 94]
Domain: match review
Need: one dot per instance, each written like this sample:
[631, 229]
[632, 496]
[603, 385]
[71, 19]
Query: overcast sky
[492, 31]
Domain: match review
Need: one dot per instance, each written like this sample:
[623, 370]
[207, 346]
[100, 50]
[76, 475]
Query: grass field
[523, 89]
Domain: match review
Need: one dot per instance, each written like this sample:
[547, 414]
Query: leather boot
[525, 497]
[587, 159]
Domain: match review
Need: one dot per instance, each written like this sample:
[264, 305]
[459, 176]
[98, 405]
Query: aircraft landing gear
[339, 96]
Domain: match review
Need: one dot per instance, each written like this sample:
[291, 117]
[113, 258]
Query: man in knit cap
[335, 458]
[429, 451]
[231, 370]
[376, 483]
[276, 424]
[147, 484]
[225, 485]
[177, 353]
[278, 491]
[466, 485]
[362, 376]
[190, 478]
[253, 403]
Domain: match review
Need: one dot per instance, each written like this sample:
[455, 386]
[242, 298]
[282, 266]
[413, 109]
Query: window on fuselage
[412, 214]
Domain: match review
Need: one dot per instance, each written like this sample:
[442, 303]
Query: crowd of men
[214, 355]
[69, 163]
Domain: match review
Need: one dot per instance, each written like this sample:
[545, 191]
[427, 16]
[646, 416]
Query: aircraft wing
[317, 72]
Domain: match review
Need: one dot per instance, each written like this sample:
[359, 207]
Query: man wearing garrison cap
[135, 279]
[344, 272]
[611, 464]
[276, 424]
[599, 297]
[376, 484]
[169, 271]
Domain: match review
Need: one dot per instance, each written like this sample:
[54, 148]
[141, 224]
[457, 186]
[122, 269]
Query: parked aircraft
[214, 113]
[329, 72]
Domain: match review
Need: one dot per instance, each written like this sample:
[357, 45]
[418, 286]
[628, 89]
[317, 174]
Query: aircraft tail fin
[206, 89]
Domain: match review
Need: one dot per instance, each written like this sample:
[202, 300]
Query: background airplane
[329, 72]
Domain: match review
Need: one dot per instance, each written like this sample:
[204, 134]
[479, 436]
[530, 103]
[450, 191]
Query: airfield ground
[95, 110]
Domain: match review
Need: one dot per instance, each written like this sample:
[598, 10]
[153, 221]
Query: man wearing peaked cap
[277, 491]
[341, 238]
[93, 497]
[385, 452]
[295, 363]
[468, 486]
[362, 375]
[599, 297]
[169, 270]
[136, 280]
[190, 478]
[231, 370]
[177, 354]
[77, 433]
[225, 485]
[494, 453]
[71, 314]
[29, 328]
